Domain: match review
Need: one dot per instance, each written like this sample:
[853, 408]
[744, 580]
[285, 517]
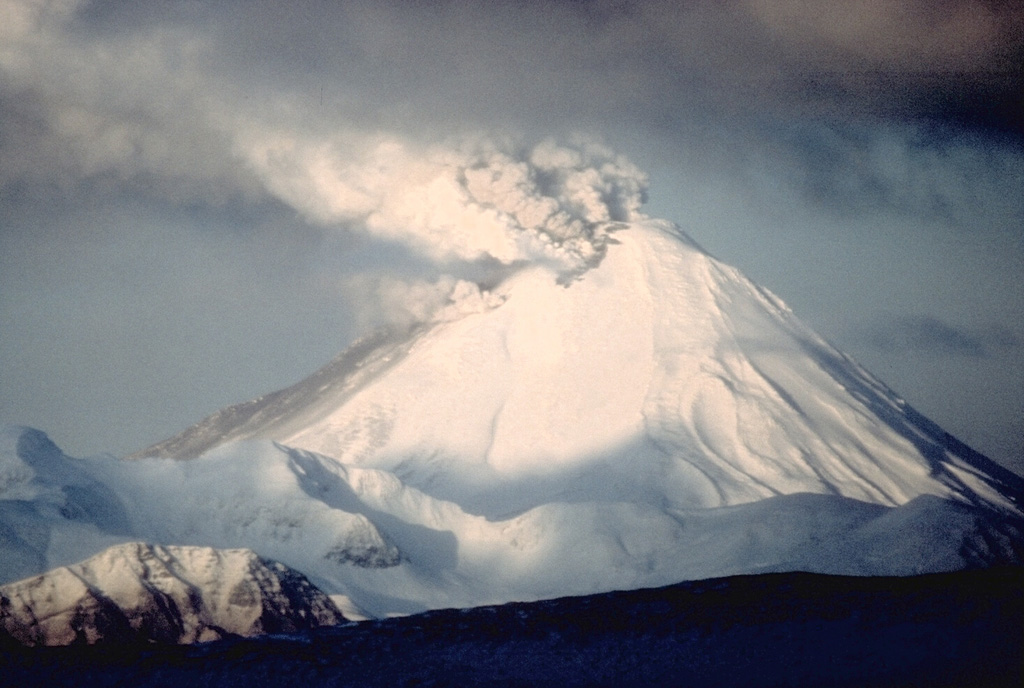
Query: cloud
[143, 107]
[136, 108]
[159, 88]
[323, 105]
[930, 334]
[898, 169]
[904, 35]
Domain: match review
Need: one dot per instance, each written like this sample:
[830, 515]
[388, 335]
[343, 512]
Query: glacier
[653, 418]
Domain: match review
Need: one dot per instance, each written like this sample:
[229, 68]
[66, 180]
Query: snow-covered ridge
[141, 592]
[328, 387]
[387, 547]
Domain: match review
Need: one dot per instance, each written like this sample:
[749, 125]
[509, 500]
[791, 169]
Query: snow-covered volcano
[660, 376]
[650, 418]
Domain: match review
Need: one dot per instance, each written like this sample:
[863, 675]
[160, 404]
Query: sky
[202, 202]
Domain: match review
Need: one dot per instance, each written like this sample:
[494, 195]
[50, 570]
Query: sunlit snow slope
[661, 376]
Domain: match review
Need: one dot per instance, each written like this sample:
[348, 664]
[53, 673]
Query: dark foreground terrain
[792, 629]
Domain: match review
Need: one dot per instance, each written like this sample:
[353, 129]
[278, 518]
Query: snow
[660, 354]
[391, 549]
[652, 419]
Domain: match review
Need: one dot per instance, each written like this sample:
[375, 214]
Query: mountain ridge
[136, 592]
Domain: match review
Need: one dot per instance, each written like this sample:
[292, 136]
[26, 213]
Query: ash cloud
[466, 201]
[143, 107]
[392, 302]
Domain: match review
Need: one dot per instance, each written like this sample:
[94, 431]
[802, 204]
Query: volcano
[651, 418]
[660, 376]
